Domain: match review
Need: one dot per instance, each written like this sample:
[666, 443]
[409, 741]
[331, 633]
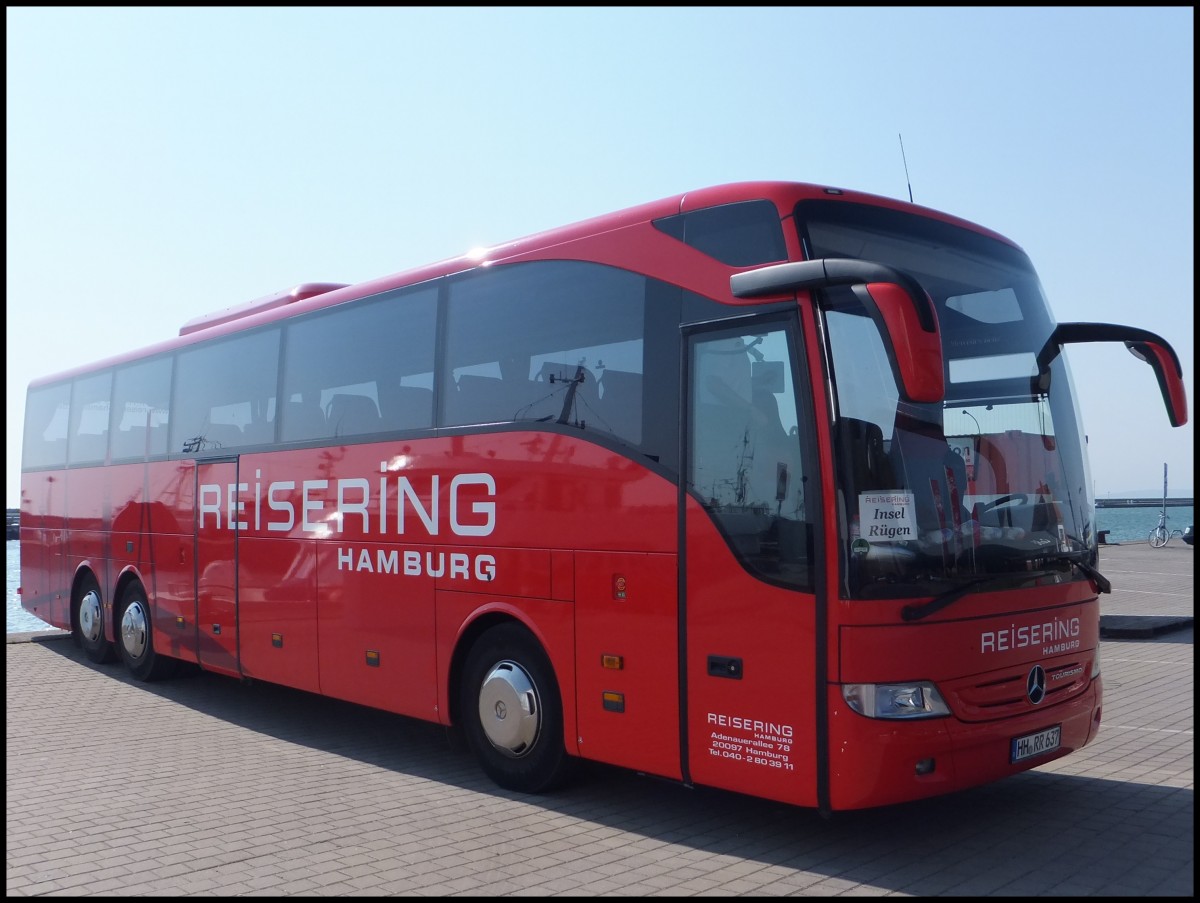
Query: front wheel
[1159, 537]
[512, 712]
[136, 638]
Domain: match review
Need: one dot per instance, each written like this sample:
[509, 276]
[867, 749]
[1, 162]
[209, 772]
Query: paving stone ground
[207, 786]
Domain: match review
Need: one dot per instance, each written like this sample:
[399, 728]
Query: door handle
[725, 666]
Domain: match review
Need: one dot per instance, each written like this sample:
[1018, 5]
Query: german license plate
[1036, 744]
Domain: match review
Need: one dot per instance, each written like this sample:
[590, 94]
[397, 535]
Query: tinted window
[45, 440]
[87, 435]
[741, 235]
[558, 342]
[225, 394]
[747, 444]
[141, 397]
[360, 369]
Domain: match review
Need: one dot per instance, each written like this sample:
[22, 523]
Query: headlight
[1096, 663]
[919, 699]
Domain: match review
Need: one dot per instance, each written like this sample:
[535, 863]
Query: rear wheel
[136, 638]
[512, 712]
[87, 623]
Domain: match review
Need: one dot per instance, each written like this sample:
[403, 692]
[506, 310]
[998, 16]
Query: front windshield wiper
[937, 603]
[1102, 583]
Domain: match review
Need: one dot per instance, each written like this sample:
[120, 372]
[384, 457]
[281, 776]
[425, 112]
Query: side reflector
[614, 702]
[612, 662]
[373, 658]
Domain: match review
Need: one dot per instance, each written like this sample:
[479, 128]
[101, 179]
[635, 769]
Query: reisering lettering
[390, 506]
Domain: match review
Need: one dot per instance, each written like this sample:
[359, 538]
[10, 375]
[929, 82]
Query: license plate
[1036, 744]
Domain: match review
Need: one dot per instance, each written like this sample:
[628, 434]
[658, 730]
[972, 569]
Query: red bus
[769, 487]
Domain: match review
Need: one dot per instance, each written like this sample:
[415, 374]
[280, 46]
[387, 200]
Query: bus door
[219, 517]
[749, 605]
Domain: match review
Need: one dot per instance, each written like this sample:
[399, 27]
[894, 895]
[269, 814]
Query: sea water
[19, 620]
[1135, 524]
[1122, 524]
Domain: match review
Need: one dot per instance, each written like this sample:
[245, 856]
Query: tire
[87, 623]
[512, 712]
[1159, 537]
[135, 638]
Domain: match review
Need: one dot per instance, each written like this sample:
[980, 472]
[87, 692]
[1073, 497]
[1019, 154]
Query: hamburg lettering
[413, 563]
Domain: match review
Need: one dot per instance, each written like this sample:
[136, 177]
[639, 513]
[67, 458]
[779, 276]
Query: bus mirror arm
[1144, 345]
[901, 308]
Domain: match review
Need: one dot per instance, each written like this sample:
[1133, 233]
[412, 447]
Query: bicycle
[1160, 535]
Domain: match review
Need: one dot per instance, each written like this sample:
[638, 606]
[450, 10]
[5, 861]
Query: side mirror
[902, 310]
[1145, 346]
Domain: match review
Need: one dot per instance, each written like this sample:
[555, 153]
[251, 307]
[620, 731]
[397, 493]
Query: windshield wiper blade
[1102, 583]
[937, 603]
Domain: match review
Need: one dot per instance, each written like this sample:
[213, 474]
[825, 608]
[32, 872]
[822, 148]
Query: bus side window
[156, 444]
[303, 419]
[548, 318]
[130, 443]
[405, 407]
[87, 440]
[222, 436]
[221, 386]
[46, 415]
[140, 409]
[361, 369]
[480, 399]
[258, 432]
[621, 403]
[352, 415]
[747, 462]
[562, 373]
[720, 420]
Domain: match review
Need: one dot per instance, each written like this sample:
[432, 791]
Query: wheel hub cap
[509, 709]
[133, 630]
[90, 623]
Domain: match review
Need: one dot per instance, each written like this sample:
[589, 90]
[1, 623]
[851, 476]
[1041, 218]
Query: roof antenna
[906, 178]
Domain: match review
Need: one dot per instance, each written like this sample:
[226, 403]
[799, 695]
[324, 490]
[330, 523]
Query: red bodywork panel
[754, 733]
[979, 653]
[368, 606]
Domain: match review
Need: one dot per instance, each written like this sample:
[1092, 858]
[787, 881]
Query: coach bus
[770, 487]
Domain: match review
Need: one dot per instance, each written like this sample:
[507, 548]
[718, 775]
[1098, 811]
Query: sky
[163, 163]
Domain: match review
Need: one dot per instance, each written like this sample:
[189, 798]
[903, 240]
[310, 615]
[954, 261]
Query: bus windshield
[991, 482]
